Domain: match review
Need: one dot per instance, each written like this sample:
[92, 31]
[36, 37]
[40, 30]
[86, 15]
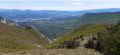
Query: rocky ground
[78, 51]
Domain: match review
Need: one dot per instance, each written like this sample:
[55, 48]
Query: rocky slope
[9, 22]
[14, 38]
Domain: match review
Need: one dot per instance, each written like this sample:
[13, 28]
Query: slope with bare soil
[78, 51]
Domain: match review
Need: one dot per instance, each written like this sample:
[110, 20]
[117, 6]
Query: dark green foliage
[90, 44]
[109, 43]
[28, 27]
[1, 18]
[71, 44]
[81, 36]
[94, 38]
[99, 40]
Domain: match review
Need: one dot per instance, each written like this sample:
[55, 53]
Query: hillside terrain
[87, 30]
[110, 17]
[53, 29]
[83, 30]
[102, 37]
[97, 39]
[14, 38]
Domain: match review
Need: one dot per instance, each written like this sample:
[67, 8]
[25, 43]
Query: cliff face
[9, 22]
[2, 20]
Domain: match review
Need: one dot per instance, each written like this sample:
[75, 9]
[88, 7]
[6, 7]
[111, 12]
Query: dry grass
[78, 51]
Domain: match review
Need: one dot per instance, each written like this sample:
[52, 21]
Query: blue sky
[59, 4]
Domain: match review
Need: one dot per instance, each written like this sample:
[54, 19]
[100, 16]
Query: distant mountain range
[37, 15]
[47, 15]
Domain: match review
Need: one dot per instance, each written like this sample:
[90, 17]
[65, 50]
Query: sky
[74, 5]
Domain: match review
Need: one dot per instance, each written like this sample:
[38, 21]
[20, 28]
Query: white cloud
[78, 3]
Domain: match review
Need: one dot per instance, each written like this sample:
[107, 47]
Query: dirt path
[78, 51]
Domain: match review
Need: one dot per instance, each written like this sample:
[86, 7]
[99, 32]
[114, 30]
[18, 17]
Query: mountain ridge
[14, 38]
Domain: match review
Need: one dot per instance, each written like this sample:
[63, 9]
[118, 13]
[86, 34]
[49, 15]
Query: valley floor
[78, 51]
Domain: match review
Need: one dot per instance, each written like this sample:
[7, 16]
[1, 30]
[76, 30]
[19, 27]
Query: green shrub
[90, 44]
[109, 43]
